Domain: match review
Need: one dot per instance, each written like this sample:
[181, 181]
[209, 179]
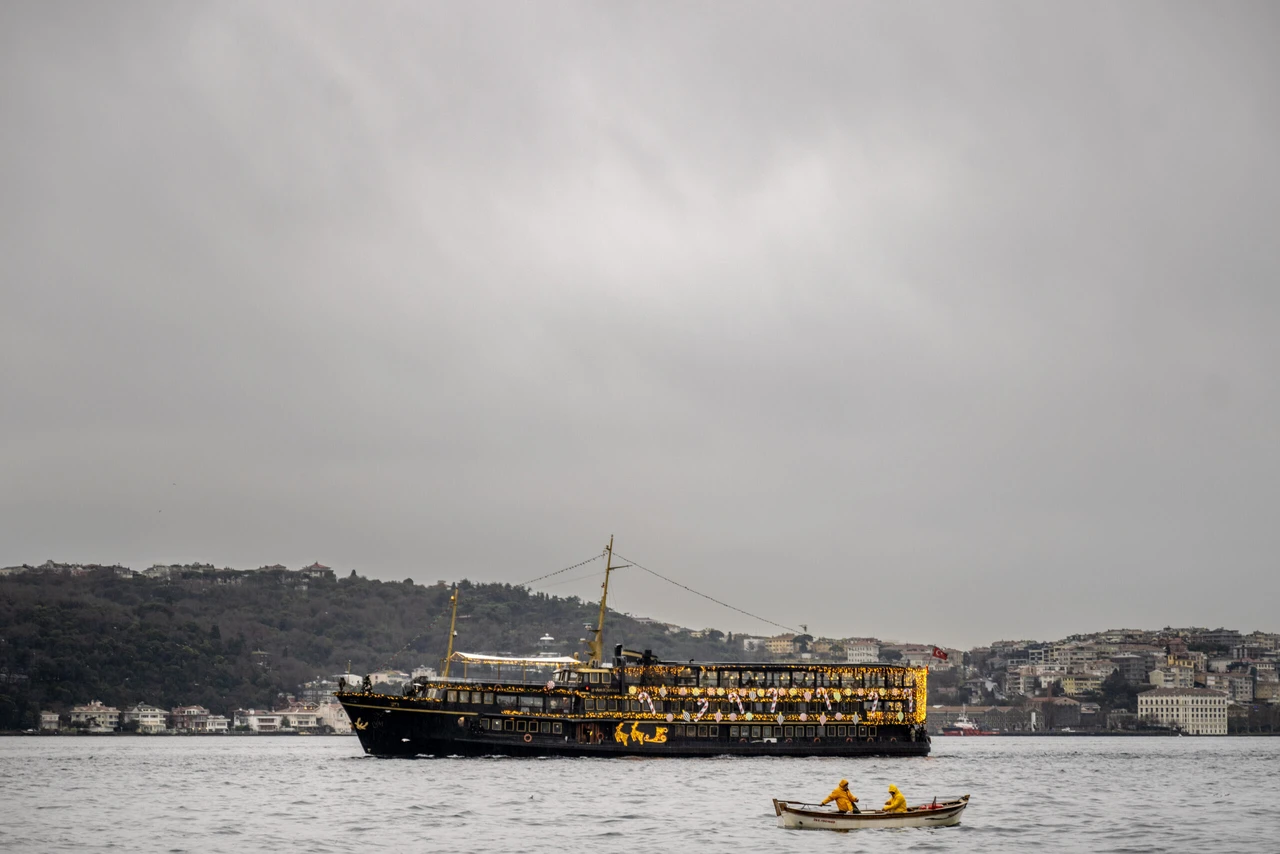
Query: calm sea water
[229, 794]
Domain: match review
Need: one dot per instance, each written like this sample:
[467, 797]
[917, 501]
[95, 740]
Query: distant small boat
[963, 725]
[814, 817]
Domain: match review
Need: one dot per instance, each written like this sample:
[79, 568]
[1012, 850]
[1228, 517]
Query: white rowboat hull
[812, 817]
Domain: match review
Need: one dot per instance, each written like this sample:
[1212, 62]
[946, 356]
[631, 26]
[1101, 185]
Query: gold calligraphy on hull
[639, 736]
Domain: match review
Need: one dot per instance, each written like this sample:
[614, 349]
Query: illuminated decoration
[638, 735]
[879, 701]
[644, 697]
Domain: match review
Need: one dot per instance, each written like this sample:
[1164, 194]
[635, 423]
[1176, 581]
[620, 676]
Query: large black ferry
[638, 705]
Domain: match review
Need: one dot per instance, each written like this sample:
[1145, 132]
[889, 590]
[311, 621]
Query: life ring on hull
[817, 741]
[870, 739]
[742, 741]
[527, 738]
[848, 741]
[788, 741]
[893, 739]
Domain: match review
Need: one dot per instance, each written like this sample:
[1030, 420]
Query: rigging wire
[638, 565]
[437, 619]
[595, 574]
[558, 571]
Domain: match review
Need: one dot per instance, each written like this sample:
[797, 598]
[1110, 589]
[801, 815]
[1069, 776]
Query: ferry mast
[597, 643]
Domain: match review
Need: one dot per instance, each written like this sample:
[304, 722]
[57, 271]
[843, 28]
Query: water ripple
[213, 795]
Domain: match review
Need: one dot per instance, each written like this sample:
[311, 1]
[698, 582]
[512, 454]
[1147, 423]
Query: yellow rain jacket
[896, 802]
[843, 797]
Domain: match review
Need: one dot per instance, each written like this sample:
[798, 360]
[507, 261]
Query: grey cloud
[935, 321]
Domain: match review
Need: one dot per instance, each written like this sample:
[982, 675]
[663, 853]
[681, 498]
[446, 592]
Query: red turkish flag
[938, 653]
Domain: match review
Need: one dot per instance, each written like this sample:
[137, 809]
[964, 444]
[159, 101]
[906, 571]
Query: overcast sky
[945, 322]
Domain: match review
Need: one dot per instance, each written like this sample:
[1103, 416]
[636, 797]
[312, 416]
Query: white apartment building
[1195, 711]
[257, 721]
[862, 650]
[148, 718]
[217, 723]
[96, 717]
[303, 717]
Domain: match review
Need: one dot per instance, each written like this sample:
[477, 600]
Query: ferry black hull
[397, 726]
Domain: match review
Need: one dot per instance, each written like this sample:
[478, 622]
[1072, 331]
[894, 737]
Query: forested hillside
[199, 638]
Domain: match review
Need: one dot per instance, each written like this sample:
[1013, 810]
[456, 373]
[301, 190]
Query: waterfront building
[149, 719]
[300, 717]
[255, 720]
[332, 715]
[189, 719]
[49, 722]
[96, 717]
[1195, 711]
[217, 723]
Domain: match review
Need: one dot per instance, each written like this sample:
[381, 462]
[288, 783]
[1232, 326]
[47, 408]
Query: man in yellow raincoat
[896, 802]
[845, 800]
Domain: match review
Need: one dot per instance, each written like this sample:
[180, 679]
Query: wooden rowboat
[814, 817]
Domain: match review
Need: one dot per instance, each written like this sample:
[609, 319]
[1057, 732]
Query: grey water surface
[321, 794]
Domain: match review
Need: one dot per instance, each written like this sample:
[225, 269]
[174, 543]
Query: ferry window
[809, 732]
[557, 729]
[840, 730]
[556, 704]
[755, 732]
[508, 725]
[488, 698]
[477, 697]
[520, 726]
[529, 703]
[862, 731]
[453, 696]
[822, 731]
[546, 726]
[613, 705]
[733, 732]
[714, 732]
[484, 723]
[790, 731]
[507, 700]
[702, 732]
[871, 731]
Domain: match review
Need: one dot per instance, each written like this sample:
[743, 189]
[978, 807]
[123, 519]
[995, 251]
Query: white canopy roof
[536, 661]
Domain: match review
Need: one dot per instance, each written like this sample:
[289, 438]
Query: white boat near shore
[796, 816]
